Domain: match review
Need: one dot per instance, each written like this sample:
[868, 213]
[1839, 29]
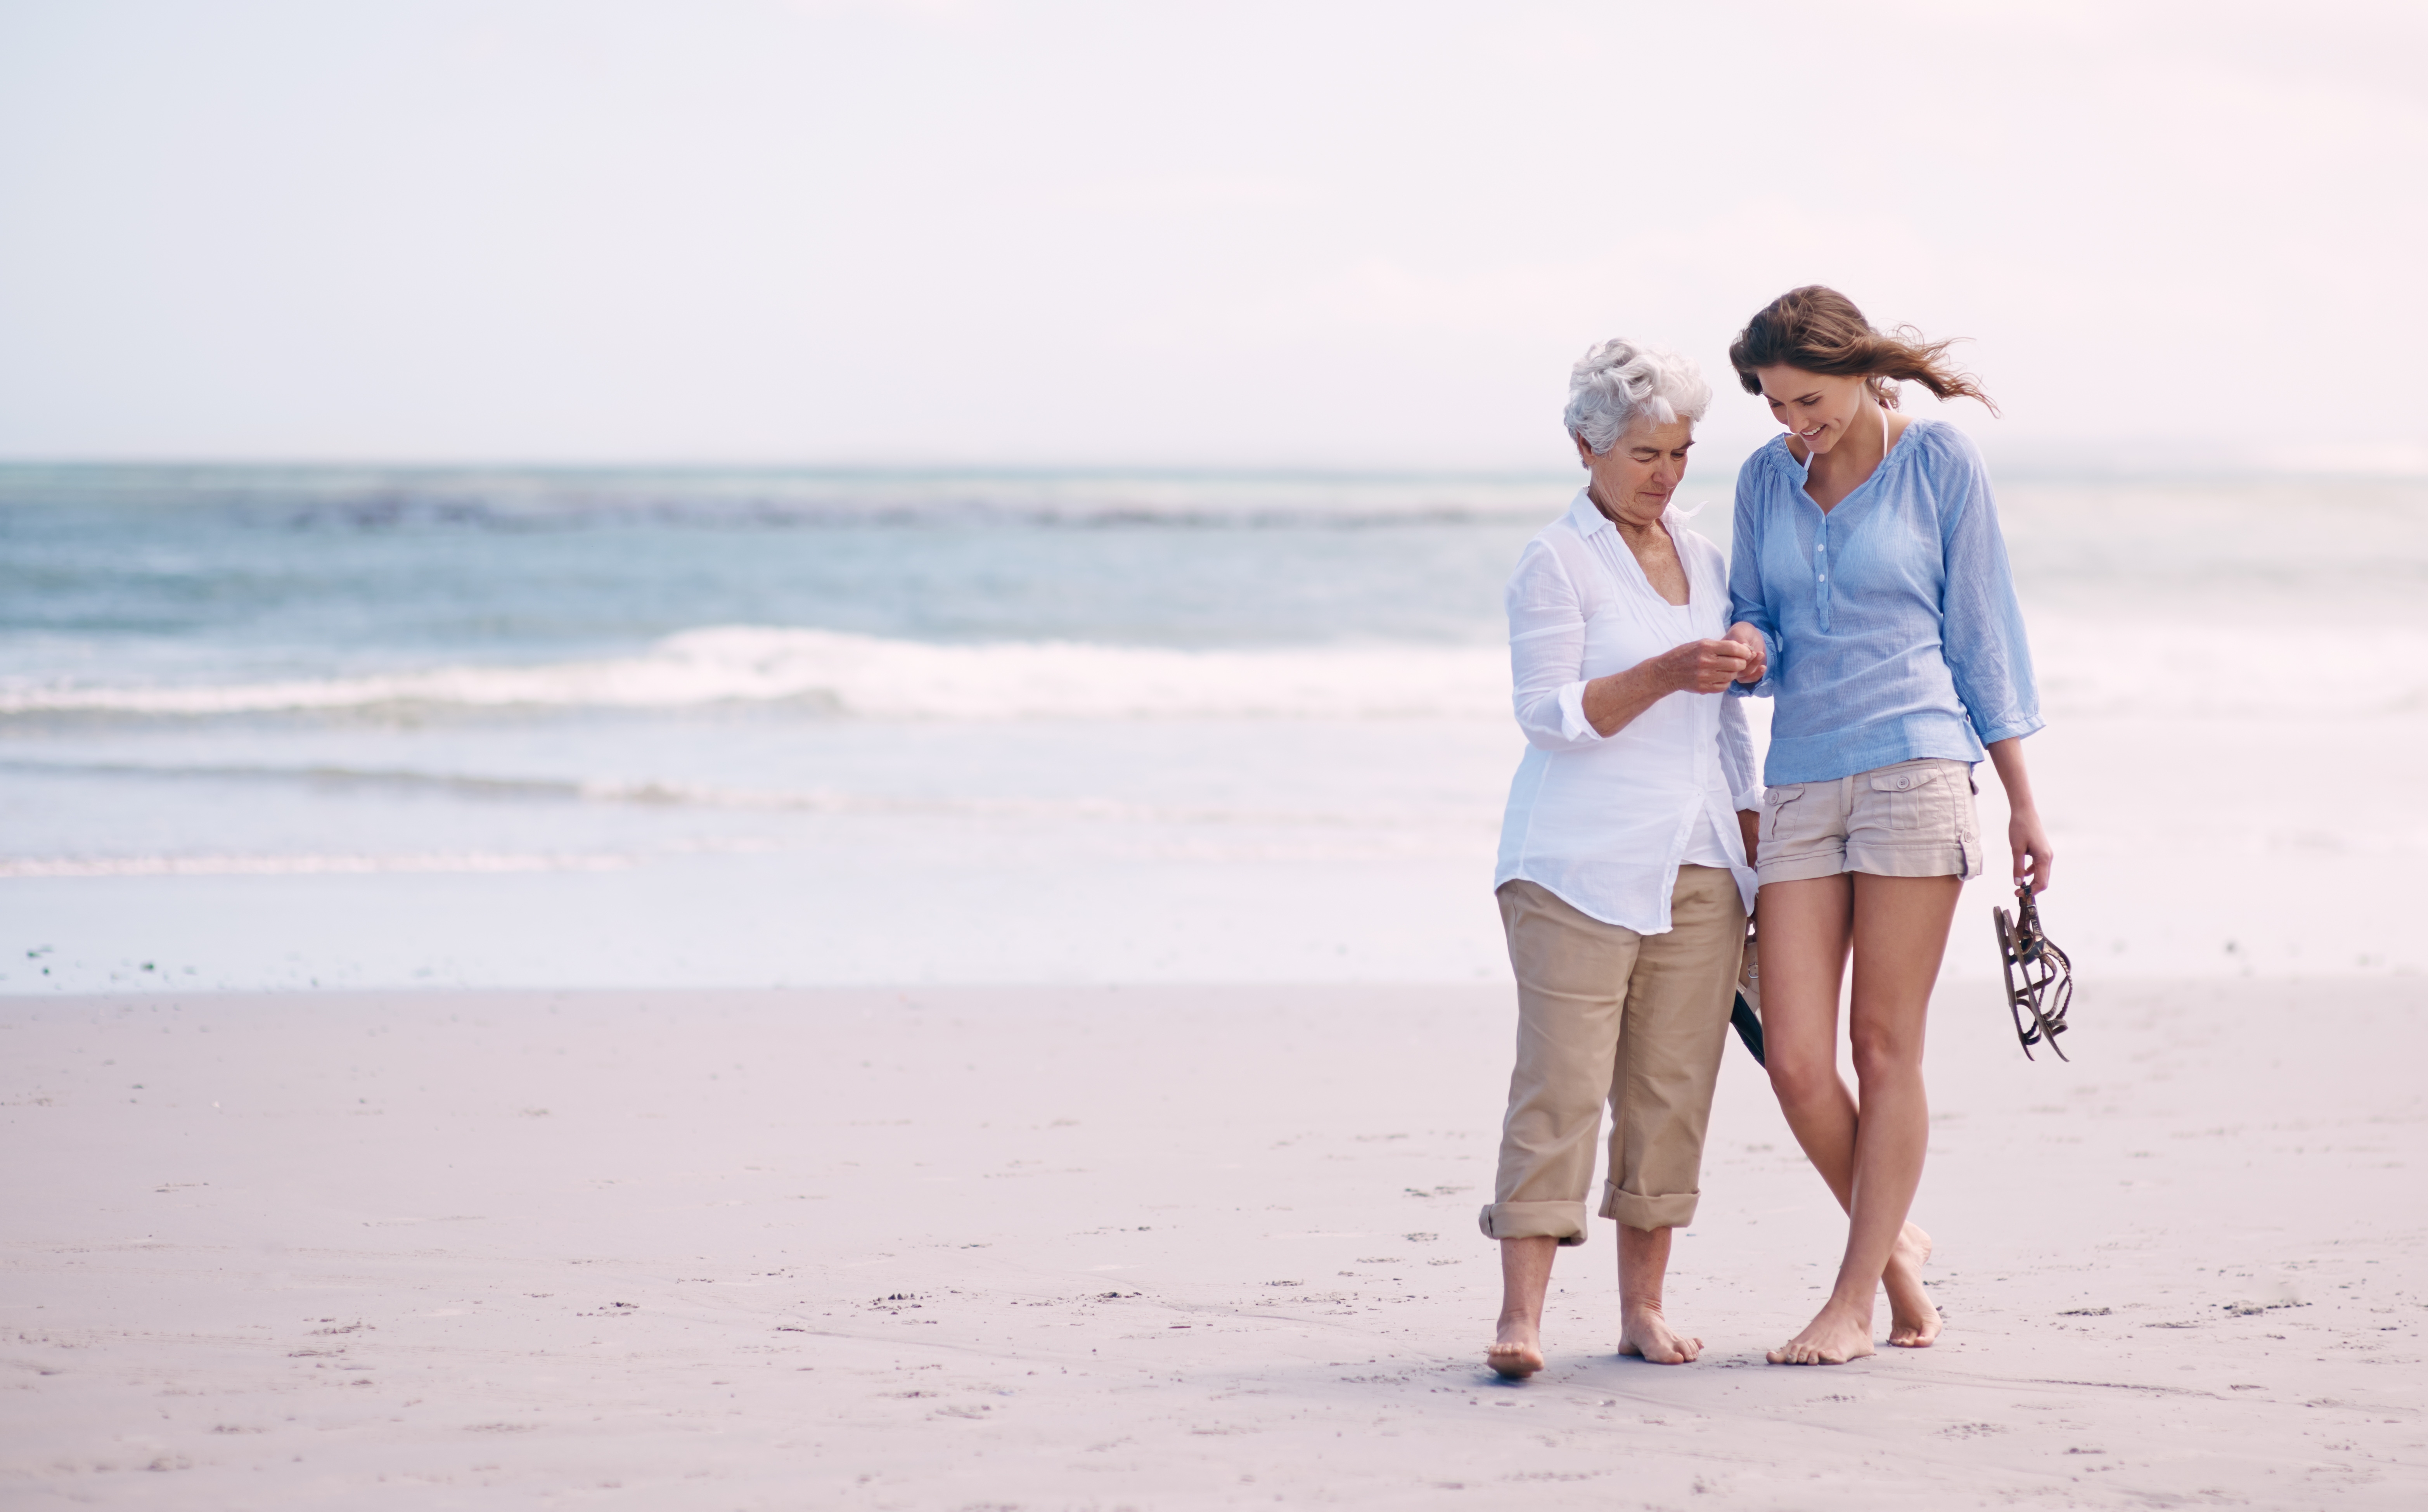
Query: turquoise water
[125, 575]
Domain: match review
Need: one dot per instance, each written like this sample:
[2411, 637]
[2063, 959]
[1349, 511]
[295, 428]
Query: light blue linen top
[1892, 619]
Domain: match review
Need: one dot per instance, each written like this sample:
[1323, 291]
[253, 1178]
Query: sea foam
[871, 676]
[2089, 666]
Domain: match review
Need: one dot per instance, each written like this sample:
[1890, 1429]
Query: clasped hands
[1711, 666]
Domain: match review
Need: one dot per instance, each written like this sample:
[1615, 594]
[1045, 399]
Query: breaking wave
[870, 677]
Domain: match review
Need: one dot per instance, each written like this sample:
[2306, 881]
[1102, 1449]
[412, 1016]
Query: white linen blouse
[1604, 821]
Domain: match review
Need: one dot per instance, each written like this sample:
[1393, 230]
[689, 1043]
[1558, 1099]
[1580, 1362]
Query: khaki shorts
[1915, 818]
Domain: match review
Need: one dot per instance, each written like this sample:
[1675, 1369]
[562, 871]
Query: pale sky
[1368, 236]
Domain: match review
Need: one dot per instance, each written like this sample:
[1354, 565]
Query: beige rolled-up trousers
[1608, 1015]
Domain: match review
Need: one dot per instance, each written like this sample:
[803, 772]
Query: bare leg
[1525, 1275]
[1806, 931]
[1897, 929]
[1900, 936]
[1643, 1260]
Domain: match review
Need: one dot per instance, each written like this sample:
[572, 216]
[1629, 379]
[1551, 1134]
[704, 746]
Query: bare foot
[1913, 1323]
[1645, 1333]
[1832, 1337]
[1518, 1352]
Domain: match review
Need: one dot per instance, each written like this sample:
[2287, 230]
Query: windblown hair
[1820, 330]
[1617, 382]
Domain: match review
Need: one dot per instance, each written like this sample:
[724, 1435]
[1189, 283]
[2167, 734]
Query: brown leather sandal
[2039, 979]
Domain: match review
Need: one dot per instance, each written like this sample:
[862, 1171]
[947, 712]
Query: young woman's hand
[1757, 651]
[2028, 839]
[2026, 835]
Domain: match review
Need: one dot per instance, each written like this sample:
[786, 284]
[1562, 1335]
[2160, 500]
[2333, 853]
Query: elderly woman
[1623, 878]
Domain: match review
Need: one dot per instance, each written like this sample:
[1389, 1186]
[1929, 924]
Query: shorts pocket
[1918, 796]
[1775, 804]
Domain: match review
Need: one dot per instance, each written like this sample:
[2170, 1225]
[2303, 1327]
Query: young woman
[1870, 587]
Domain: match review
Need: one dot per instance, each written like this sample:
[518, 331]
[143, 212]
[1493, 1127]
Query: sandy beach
[752, 757]
[1160, 1248]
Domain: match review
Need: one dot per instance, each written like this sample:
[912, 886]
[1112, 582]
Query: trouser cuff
[1670, 1210]
[1563, 1221]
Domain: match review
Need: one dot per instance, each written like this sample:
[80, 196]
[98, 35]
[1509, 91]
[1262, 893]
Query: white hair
[1618, 382]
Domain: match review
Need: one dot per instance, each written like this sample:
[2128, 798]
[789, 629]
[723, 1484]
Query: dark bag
[1746, 1016]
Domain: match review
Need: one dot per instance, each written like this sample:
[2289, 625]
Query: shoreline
[1163, 1246]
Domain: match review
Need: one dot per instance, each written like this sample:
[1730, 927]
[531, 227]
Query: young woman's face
[1817, 408]
[1642, 469]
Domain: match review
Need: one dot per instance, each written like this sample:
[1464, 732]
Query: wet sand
[1160, 1248]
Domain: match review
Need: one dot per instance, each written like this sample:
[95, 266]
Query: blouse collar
[1803, 471]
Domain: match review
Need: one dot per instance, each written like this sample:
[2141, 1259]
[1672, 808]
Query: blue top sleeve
[1748, 603]
[1981, 623]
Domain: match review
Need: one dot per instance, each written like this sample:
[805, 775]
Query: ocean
[267, 727]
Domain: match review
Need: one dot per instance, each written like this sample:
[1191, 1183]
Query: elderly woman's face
[1634, 479]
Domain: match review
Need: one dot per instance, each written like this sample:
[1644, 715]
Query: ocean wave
[869, 677]
[519, 500]
[2263, 668]
[2089, 666]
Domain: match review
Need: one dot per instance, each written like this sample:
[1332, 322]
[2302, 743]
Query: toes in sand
[1830, 1339]
[1646, 1335]
[1915, 1333]
[1514, 1358]
[1913, 1322]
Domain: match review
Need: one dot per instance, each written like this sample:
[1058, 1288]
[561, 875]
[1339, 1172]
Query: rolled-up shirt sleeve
[1547, 650]
[1981, 624]
[1747, 603]
[1736, 758]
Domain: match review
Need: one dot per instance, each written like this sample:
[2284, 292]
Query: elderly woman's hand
[1757, 651]
[1611, 703]
[1702, 666]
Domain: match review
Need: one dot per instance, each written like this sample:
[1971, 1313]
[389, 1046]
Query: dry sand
[1167, 1248]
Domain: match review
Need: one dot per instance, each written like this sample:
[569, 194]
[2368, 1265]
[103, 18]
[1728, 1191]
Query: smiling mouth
[1816, 431]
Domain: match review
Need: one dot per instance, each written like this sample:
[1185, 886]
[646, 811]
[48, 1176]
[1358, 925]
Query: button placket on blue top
[1821, 530]
[1821, 540]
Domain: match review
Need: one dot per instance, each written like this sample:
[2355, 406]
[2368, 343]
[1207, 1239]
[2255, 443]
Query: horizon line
[2052, 469]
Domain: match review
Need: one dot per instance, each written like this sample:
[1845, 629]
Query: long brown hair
[1820, 330]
